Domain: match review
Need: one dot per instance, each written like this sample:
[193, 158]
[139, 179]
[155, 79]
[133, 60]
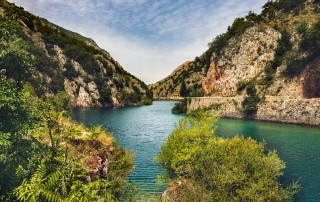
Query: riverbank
[274, 109]
[145, 133]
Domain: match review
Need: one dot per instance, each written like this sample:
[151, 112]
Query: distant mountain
[278, 52]
[54, 59]
[189, 73]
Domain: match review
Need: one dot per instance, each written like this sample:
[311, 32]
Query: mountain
[189, 73]
[277, 52]
[54, 59]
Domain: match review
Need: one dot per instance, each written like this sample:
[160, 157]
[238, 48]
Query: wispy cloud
[149, 38]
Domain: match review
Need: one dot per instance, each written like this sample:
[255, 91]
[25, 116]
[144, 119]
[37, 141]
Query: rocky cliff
[272, 108]
[276, 53]
[54, 59]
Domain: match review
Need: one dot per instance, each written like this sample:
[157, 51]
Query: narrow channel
[143, 130]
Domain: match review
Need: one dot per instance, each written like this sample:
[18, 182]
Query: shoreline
[281, 110]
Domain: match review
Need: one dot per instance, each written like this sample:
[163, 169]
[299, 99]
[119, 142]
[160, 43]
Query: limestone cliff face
[258, 55]
[276, 52]
[66, 61]
[243, 59]
[279, 109]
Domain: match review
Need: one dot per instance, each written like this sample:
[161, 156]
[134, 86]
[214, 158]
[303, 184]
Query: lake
[143, 130]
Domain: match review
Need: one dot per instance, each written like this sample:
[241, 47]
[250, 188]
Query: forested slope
[53, 59]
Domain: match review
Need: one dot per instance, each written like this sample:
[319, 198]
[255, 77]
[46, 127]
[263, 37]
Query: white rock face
[36, 38]
[243, 59]
[70, 87]
[116, 102]
[302, 111]
[93, 90]
[83, 99]
[226, 107]
[279, 109]
[60, 56]
[77, 67]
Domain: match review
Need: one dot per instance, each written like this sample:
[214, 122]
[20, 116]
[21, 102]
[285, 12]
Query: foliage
[50, 154]
[146, 100]
[13, 55]
[310, 44]
[249, 104]
[295, 65]
[70, 72]
[282, 5]
[183, 89]
[130, 98]
[238, 27]
[311, 40]
[284, 46]
[288, 5]
[216, 169]
[241, 85]
[16, 152]
[56, 187]
[180, 107]
[302, 28]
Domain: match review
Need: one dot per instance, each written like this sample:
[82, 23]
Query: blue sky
[149, 38]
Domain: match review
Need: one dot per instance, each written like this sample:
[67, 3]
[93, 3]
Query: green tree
[13, 55]
[250, 103]
[212, 168]
[180, 107]
[183, 89]
[17, 153]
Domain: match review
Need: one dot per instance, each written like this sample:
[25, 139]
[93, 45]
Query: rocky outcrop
[99, 168]
[60, 57]
[300, 111]
[243, 59]
[172, 192]
[83, 98]
[278, 109]
[227, 107]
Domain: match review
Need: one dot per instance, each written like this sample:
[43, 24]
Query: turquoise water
[143, 130]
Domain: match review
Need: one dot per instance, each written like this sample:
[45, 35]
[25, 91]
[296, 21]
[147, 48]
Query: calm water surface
[144, 129]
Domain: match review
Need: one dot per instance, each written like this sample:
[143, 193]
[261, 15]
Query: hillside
[189, 73]
[276, 51]
[54, 59]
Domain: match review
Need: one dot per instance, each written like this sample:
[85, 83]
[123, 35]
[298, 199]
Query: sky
[149, 38]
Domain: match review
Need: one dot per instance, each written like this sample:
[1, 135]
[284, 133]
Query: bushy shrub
[250, 103]
[295, 66]
[183, 89]
[241, 85]
[212, 168]
[180, 107]
[130, 98]
[302, 28]
[70, 72]
[311, 40]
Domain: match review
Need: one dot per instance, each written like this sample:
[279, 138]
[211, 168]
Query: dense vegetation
[210, 168]
[249, 104]
[55, 55]
[180, 107]
[45, 156]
